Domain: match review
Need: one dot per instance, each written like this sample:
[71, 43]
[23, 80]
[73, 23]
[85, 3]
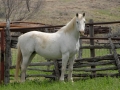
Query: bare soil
[58, 12]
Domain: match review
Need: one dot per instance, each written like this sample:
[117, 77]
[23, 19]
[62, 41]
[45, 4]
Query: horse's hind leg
[26, 60]
[31, 57]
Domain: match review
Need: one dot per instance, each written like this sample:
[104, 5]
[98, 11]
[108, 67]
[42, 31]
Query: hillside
[58, 12]
[61, 11]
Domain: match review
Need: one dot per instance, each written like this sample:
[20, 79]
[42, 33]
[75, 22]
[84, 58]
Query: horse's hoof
[71, 81]
[62, 81]
[22, 81]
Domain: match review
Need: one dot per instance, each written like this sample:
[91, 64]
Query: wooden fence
[93, 66]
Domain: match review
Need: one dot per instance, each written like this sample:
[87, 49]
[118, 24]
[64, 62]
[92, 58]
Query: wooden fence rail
[83, 67]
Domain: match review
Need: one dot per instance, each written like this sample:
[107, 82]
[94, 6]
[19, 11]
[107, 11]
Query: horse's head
[80, 23]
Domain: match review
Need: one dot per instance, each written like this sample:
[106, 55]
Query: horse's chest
[71, 47]
[74, 48]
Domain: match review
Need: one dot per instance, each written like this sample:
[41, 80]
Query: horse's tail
[19, 59]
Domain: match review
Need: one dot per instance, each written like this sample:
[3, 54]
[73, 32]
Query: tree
[16, 10]
[20, 9]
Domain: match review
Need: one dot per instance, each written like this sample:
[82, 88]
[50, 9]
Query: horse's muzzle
[82, 33]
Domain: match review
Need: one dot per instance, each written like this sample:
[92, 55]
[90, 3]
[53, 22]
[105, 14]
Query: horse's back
[49, 45]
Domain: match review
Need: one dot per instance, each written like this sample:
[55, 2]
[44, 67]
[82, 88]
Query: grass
[106, 83]
[106, 14]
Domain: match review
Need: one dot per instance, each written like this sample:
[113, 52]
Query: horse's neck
[70, 29]
[71, 32]
[76, 34]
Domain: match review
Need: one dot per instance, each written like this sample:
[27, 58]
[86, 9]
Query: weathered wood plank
[37, 75]
[92, 50]
[87, 64]
[35, 69]
[7, 52]
[97, 75]
[37, 64]
[42, 64]
[96, 69]
[114, 52]
[40, 75]
[99, 47]
[97, 58]
[57, 70]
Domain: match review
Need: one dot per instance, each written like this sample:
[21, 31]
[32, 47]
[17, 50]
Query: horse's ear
[83, 14]
[76, 14]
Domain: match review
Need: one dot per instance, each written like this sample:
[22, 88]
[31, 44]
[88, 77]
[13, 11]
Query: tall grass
[106, 83]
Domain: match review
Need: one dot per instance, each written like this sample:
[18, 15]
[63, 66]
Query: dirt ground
[58, 12]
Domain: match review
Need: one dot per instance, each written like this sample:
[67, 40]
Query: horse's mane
[70, 25]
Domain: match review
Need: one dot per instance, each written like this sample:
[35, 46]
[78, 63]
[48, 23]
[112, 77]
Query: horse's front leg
[70, 68]
[65, 58]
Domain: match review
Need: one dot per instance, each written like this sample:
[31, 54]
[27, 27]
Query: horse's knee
[23, 69]
[63, 69]
[70, 69]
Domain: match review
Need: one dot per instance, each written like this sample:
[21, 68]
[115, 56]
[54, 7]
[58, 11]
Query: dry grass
[58, 12]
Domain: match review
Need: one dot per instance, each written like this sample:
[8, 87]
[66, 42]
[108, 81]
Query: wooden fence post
[92, 51]
[80, 50]
[7, 52]
[57, 71]
[114, 52]
[2, 57]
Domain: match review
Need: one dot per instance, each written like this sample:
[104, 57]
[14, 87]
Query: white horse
[62, 44]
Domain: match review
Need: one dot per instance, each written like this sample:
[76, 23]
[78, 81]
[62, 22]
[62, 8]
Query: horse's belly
[50, 53]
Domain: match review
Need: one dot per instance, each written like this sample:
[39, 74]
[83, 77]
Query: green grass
[90, 84]
[39, 83]
[107, 14]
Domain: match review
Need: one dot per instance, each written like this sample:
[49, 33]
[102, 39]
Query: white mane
[70, 25]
